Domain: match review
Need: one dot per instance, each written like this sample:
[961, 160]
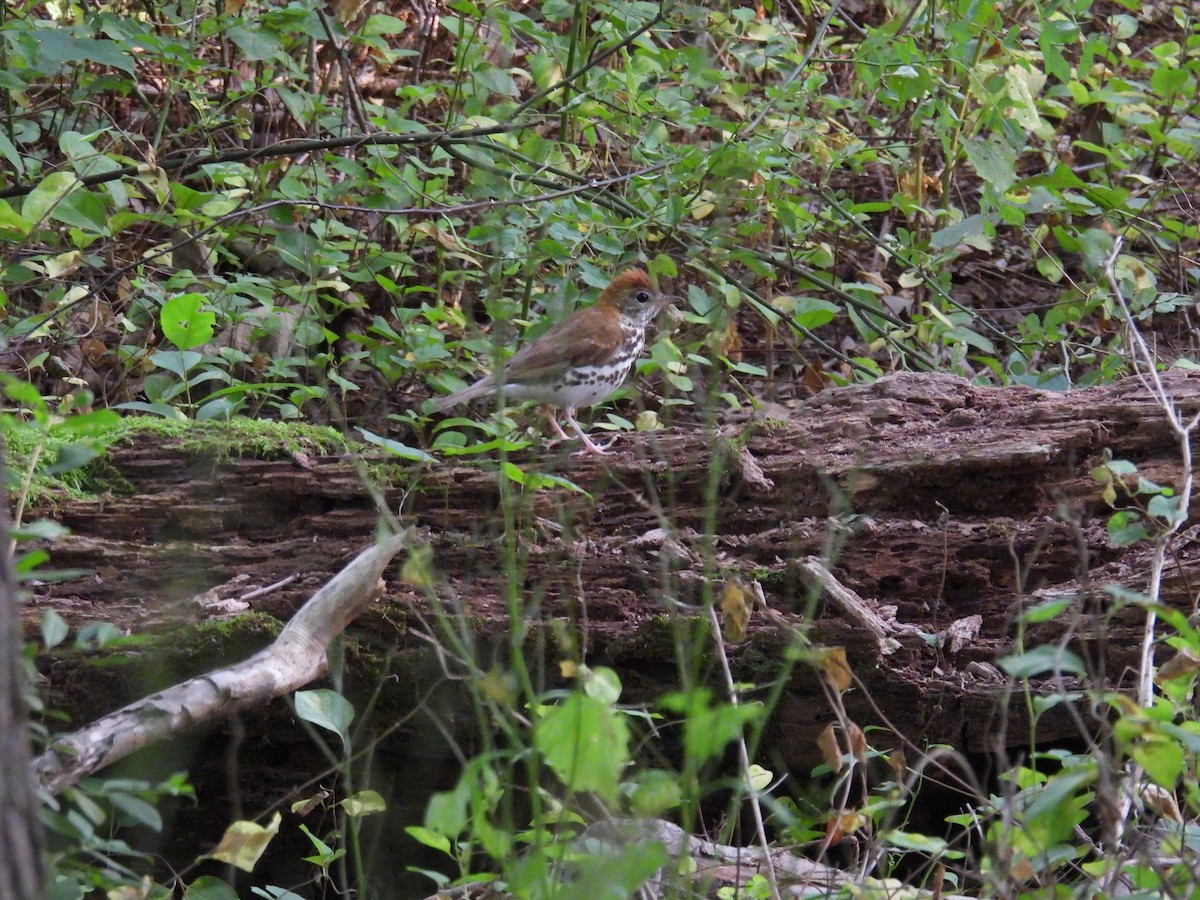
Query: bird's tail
[481, 388]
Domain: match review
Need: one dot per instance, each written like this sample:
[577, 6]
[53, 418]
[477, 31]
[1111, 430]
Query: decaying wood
[297, 657]
[712, 866]
[723, 864]
[943, 507]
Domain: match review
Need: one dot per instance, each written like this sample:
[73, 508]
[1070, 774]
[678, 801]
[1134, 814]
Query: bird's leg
[553, 420]
[591, 445]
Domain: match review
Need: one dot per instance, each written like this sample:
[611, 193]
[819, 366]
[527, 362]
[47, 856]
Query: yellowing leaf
[499, 686]
[63, 264]
[244, 842]
[836, 668]
[308, 804]
[364, 803]
[760, 779]
[418, 568]
[736, 605]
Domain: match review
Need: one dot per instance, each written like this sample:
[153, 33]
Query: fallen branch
[715, 865]
[297, 657]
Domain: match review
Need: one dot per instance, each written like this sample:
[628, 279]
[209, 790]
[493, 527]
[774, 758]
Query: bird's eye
[643, 296]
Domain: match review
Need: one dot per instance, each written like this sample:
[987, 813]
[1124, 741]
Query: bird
[581, 360]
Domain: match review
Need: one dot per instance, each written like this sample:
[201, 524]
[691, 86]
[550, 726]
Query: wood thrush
[579, 361]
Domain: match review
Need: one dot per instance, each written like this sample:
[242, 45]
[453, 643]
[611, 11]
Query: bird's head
[633, 296]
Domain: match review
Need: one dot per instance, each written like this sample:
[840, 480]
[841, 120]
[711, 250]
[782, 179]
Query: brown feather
[587, 337]
[629, 280]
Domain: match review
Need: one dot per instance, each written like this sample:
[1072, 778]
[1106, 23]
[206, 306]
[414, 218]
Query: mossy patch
[57, 464]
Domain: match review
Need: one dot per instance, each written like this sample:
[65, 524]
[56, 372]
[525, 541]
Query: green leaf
[497, 81]
[585, 742]
[512, 472]
[1059, 805]
[137, 809]
[994, 161]
[1168, 81]
[72, 456]
[708, 729]
[1162, 759]
[83, 209]
[209, 887]
[447, 812]
[811, 312]
[256, 44]
[44, 198]
[396, 448]
[1042, 660]
[622, 873]
[59, 46]
[974, 231]
[603, 684]
[1126, 527]
[54, 629]
[364, 803]
[179, 363]
[12, 225]
[1046, 610]
[184, 324]
[537, 481]
[9, 151]
[299, 249]
[655, 791]
[382, 24]
[159, 409]
[328, 709]
[325, 854]
[911, 840]
[1055, 34]
[429, 838]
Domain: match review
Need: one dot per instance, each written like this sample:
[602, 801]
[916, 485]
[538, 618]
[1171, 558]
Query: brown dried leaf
[836, 668]
[830, 751]
[857, 742]
[1185, 662]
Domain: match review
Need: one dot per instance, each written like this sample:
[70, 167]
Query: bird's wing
[584, 338]
[480, 388]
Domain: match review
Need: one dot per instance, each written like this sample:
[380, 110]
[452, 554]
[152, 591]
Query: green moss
[33, 453]
[212, 644]
[263, 439]
[769, 424]
[222, 632]
[85, 680]
[654, 639]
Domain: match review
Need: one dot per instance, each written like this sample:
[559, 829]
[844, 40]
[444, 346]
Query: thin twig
[1145, 366]
[744, 758]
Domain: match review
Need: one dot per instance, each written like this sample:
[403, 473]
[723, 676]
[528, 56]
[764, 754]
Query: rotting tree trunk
[944, 500]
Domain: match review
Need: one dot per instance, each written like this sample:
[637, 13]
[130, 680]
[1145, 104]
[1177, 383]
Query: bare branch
[297, 657]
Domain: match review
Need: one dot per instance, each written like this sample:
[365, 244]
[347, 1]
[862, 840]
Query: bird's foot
[553, 420]
[590, 446]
